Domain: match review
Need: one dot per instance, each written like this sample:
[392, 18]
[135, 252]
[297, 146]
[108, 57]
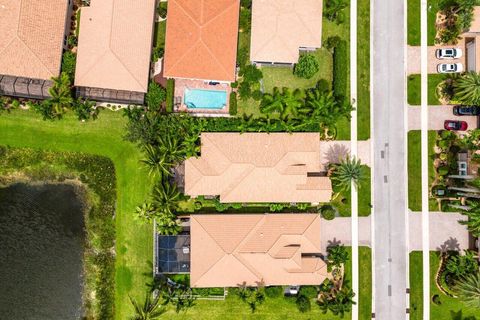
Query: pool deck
[182, 84]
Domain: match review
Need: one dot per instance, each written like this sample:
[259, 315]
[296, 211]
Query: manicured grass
[415, 167]
[343, 201]
[449, 309]
[365, 283]
[101, 137]
[414, 89]
[159, 35]
[78, 15]
[413, 22]
[363, 72]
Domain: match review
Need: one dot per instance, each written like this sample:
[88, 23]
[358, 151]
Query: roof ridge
[213, 55]
[238, 181]
[304, 24]
[78, 79]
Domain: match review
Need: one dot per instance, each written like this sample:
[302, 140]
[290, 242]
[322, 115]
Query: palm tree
[171, 147]
[347, 172]
[267, 124]
[247, 123]
[146, 212]
[337, 301]
[61, 95]
[156, 161]
[165, 197]
[285, 102]
[167, 224]
[468, 289]
[473, 222]
[272, 102]
[333, 8]
[149, 310]
[467, 89]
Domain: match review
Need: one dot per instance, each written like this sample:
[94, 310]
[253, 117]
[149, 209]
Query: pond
[41, 252]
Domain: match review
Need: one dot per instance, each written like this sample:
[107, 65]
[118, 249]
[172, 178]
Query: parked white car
[449, 67]
[449, 53]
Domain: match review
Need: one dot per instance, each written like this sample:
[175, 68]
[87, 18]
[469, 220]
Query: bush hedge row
[232, 109]
[97, 174]
[170, 95]
[340, 69]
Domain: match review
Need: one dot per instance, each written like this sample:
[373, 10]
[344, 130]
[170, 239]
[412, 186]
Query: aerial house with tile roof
[258, 168]
[33, 35]
[114, 50]
[281, 29]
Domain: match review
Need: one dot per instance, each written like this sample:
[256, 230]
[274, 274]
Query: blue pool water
[205, 99]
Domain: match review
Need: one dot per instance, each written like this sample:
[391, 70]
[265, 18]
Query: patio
[182, 84]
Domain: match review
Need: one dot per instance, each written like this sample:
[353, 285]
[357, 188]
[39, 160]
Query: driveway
[338, 231]
[436, 116]
[334, 151]
[445, 231]
[413, 58]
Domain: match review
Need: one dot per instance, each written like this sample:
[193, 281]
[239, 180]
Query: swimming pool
[205, 99]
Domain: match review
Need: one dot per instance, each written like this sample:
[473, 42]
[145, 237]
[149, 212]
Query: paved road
[389, 204]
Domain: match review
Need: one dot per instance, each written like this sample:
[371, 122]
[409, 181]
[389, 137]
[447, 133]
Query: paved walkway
[445, 232]
[436, 116]
[334, 151]
[413, 61]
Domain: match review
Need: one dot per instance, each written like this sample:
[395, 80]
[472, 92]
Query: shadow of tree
[459, 316]
[333, 243]
[336, 153]
[449, 245]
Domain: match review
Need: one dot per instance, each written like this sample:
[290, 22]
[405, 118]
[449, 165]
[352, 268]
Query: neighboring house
[467, 167]
[258, 167]
[114, 50]
[201, 40]
[472, 43]
[33, 35]
[283, 28]
[256, 249]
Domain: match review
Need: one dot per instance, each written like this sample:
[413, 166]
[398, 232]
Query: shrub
[251, 74]
[443, 144]
[324, 85]
[309, 291]
[443, 171]
[244, 20]
[443, 156]
[244, 91]
[69, 61]
[273, 292]
[306, 67]
[340, 70]
[302, 206]
[157, 53]
[162, 9]
[155, 96]
[72, 41]
[234, 84]
[303, 304]
[331, 42]
[257, 95]
[170, 95]
[276, 207]
[232, 108]
[327, 212]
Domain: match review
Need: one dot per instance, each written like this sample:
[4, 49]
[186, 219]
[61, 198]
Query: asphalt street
[389, 114]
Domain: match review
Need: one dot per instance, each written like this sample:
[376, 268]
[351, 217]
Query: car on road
[455, 125]
[449, 67]
[448, 53]
[466, 110]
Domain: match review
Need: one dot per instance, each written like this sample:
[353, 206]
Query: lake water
[41, 252]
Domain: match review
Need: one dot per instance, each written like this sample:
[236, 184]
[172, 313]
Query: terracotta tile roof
[281, 27]
[201, 39]
[258, 167]
[115, 44]
[31, 37]
[227, 250]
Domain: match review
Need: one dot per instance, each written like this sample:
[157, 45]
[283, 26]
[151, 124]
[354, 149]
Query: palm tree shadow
[333, 243]
[451, 244]
[336, 153]
[459, 316]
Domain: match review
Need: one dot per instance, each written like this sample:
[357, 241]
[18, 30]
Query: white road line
[424, 139]
[353, 151]
[372, 176]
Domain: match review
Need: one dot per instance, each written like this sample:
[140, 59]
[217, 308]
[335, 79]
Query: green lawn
[415, 167]
[449, 309]
[414, 89]
[363, 72]
[159, 34]
[413, 22]
[343, 201]
[101, 137]
[365, 283]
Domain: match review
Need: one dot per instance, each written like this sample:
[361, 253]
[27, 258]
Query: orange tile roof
[201, 39]
[258, 167]
[31, 37]
[281, 27]
[115, 44]
[227, 250]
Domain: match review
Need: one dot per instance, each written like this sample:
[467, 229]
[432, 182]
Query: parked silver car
[449, 67]
[448, 53]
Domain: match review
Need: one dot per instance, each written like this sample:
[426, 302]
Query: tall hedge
[232, 109]
[340, 69]
[170, 95]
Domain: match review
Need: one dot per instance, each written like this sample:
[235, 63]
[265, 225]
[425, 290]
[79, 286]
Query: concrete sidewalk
[436, 117]
[333, 151]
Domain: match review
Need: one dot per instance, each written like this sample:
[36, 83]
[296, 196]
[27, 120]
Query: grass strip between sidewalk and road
[414, 89]
[363, 72]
